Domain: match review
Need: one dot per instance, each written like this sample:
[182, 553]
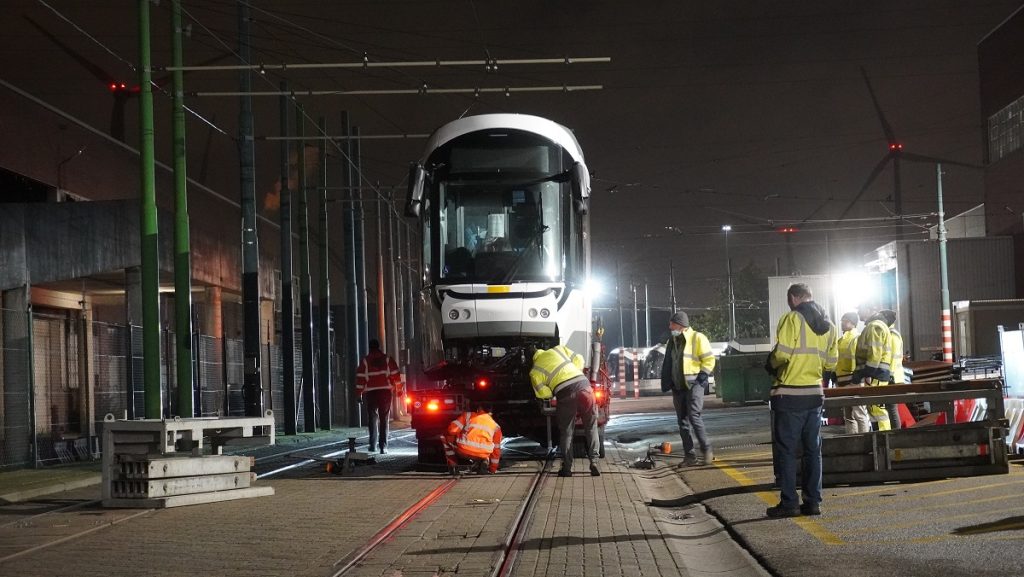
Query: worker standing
[896, 376]
[377, 378]
[474, 436]
[806, 348]
[688, 363]
[874, 357]
[557, 372]
[856, 418]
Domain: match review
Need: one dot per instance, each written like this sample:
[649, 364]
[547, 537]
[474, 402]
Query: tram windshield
[502, 210]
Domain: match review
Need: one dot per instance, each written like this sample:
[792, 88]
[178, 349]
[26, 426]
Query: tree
[750, 285]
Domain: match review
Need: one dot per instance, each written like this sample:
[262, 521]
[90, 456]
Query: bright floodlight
[726, 227]
[593, 288]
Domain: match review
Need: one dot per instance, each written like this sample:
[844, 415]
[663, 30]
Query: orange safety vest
[476, 436]
[378, 371]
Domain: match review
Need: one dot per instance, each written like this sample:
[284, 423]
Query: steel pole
[326, 387]
[252, 388]
[672, 286]
[618, 303]
[182, 250]
[305, 296]
[287, 291]
[353, 352]
[647, 317]
[360, 244]
[732, 296]
[947, 321]
[636, 316]
[382, 323]
[148, 229]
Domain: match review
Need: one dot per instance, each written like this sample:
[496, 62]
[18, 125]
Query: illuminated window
[1005, 130]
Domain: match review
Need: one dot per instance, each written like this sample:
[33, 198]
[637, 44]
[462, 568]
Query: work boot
[779, 512]
[690, 459]
[810, 509]
[383, 450]
[709, 456]
[565, 472]
[594, 472]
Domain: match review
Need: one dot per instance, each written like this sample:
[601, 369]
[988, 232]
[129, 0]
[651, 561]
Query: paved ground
[582, 526]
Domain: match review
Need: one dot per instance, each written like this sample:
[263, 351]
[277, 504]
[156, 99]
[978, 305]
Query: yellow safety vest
[697, 354]
[551, 368]
[847, 356]
[896, 345]
[874, 351]
[801, 356]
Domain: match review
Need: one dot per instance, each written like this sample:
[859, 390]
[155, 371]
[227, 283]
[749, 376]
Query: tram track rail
[503, 565]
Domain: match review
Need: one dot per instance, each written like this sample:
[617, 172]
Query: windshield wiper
[510, 274]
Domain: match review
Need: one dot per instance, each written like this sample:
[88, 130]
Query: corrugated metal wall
[979, 268]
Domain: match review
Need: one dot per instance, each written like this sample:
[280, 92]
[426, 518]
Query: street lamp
[732, 297]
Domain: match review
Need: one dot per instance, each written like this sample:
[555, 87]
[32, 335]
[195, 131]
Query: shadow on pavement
[712, 494]
[1007, 524]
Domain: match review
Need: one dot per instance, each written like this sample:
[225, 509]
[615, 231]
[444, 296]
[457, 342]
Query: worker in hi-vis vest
[685, 371]
[557, 372]
[874, 357]
[476, 437]
[805, 350]
[896, 374]
[856, 419]
[377, 379]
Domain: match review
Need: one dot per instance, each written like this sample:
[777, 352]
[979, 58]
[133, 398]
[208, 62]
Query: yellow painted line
[890, 487]
[918, 496]
[745, 456]
[498, 288]
[811, 527]
[888, 511]
[867, 530]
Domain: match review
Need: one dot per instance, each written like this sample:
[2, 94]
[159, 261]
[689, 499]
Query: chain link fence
[60, 374]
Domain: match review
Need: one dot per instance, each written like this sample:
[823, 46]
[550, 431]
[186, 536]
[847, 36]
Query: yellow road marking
[811, 527]
[929, 521]
[915, 497]
[890, 487]
[889, 511]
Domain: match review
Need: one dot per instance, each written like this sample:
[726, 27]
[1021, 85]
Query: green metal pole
[947, 321]
[148, 228]
[182, 250]
[305, 298]
[326, 386]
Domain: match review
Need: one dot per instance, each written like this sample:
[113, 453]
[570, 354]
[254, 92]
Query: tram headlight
[453, 314]
[544, 313]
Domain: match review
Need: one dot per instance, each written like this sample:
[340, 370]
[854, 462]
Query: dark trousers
[689, 404]
[378, 409]
[572, 403]
[796, 434]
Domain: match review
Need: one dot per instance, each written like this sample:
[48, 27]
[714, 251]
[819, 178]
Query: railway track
[509, 548]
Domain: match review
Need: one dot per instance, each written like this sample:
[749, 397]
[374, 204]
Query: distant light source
[726, 227]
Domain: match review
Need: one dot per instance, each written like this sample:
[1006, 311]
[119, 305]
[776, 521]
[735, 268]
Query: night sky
[753, 114]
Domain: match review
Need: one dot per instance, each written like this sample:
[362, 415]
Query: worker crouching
[473, 437]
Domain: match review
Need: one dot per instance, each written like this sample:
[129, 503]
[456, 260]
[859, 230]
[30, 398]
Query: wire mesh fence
[61, 373]
[16, 378]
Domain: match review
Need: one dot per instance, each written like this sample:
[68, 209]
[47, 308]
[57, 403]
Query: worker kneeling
[475, 437]
[558, 372]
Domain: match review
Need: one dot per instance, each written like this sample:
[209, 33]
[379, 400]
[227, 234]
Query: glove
[769, 368]
[829, 377]
[702, 379]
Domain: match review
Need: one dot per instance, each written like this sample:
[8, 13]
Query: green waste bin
[741, 378]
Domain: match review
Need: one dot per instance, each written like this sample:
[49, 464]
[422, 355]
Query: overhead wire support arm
[346, 137]
[507, 90]
[389, 64]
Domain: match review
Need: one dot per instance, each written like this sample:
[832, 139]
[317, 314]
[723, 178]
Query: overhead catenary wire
[366, 63]
[475, 91]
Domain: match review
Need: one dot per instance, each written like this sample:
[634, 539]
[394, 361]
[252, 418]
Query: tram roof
[551, 130]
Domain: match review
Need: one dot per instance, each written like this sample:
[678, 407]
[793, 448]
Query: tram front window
[500, 233]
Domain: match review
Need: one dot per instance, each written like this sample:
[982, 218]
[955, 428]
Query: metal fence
[61, 374]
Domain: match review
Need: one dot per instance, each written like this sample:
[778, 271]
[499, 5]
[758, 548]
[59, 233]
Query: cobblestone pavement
[308, 525]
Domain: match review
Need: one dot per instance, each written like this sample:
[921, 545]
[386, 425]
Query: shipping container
[976, 325]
